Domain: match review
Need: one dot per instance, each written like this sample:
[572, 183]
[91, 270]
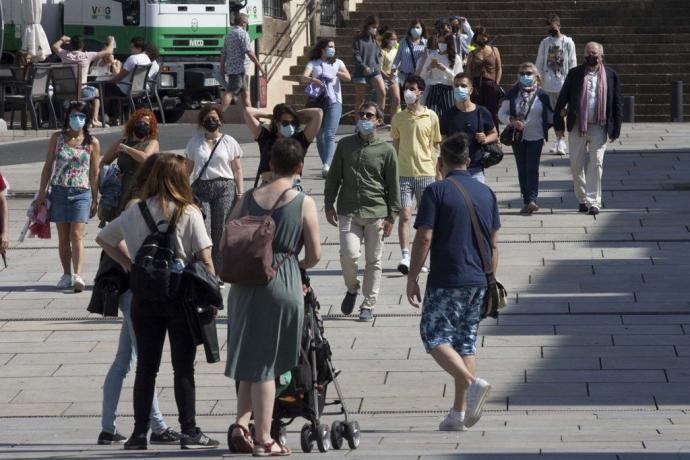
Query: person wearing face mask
[69, 182]
[140, 140]
[473, 120]
[325, 70]
[416, 135]
[527, 109]
[555, 58]
[216, 177]
[485, 68]
[462, 36]
[591, 100]
[410, 51]
[367, 56]
[389, 50]
[285, 121]
[119, 84]
[364, 179]
[438, 67]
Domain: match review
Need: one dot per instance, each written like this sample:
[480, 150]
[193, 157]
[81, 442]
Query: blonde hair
[533, 68]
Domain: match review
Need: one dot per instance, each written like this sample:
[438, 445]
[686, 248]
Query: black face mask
[482, 41]
[142, 129]
[211, 125]
[553, 32]
[591, 60]
[456, 29]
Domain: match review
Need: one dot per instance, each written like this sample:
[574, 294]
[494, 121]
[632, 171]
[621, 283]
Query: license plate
[210, 82]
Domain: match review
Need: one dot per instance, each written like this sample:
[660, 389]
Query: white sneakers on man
[477, 395]
[78, 283]
[452, 422]
[65, 282]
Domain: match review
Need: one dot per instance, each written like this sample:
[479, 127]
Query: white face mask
[442, 47]
[410, 97]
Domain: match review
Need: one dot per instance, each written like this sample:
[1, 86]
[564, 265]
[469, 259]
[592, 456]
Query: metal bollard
[677, 101]
[629, 109]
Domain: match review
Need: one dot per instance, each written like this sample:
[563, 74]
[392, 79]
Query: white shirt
[316, 68]
[190, 232]
[592, 79]
[198, 151]
[133, 60]
[534, 128]
[555, 58]
[437, 76]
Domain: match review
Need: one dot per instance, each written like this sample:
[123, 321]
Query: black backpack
[157, 271]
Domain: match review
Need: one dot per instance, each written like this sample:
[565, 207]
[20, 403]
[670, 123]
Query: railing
[329, 13]
[274, 9]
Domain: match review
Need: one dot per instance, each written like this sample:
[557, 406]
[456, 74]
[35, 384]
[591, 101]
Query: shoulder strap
[148, 218]
[476, 229]
[531, 104]
[414, 61]
[280, 198]
[203, 169]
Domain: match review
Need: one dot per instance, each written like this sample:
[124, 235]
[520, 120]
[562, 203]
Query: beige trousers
[352, 230]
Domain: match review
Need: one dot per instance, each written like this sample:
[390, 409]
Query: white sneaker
[65, 282]
[324, 171]
[79, 283]
[425, 269]
[554, 149]
[451, 423]
[404, 265]
[476, 398]
[561, 148]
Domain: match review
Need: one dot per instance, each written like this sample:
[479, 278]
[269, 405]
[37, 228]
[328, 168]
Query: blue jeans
[325, 139]
[527, 156]
[125, 357]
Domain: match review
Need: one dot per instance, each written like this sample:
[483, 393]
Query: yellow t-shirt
[418, 135]
[387, 58]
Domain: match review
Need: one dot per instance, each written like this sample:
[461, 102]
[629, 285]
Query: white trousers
[587, 162]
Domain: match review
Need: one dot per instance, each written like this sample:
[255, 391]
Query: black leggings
[151, 321]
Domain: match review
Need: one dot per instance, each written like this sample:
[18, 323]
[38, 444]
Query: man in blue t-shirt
[457, 281]
[472, 119]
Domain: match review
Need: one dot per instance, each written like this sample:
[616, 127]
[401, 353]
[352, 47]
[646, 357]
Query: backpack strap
[280, 198]
[150, 223]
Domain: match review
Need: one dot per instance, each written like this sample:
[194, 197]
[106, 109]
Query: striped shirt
[403, 60]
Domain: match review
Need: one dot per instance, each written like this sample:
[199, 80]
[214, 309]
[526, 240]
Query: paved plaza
[590, 361]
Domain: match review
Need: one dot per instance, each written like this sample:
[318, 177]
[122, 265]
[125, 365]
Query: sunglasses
[367, 115]
[525, 74]
[287, 123]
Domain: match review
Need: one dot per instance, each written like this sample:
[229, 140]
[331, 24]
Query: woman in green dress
[265, 327]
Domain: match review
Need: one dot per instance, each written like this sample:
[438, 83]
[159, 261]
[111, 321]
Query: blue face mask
[76, 122]
[416, 32]
[365, 127]
[330, 52]
[287, 131]
[527, 80]
[461, 94]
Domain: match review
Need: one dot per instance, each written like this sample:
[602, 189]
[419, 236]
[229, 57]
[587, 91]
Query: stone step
[674, 15]
[503, 7]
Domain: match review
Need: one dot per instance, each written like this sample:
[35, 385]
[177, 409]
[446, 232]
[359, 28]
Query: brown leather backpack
[248, 250]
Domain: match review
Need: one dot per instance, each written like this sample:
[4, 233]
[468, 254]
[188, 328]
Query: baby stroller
[301, 392]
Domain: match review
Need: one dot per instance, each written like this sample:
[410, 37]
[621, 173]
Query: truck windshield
[190, 2]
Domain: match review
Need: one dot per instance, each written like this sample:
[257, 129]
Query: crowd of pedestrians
[441, 128]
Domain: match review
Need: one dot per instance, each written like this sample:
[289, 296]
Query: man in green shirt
[364, 177]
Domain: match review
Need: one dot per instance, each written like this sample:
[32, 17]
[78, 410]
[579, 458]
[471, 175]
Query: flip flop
[242, 443]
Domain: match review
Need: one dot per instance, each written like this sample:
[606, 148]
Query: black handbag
[511, 136]
[492, 152]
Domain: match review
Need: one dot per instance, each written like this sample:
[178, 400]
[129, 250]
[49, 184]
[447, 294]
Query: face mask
[442, 47]
[141, 129]
[76, 123]
[330, 52]
[553, 32]
[372, 31]
[416, 32]
[482, 41]
[461, 94]
[287, 131]
[211, 125]
[410, 97]
[456, 29]
[591, 60]
[527, 80]
[365, 127]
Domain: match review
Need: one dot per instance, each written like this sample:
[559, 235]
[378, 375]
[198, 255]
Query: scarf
[525, 99]
[602, 90]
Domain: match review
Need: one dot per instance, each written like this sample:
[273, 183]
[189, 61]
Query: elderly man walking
[591, 100]
[457, 281]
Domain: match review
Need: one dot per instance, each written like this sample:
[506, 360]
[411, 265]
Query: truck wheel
[174, 115]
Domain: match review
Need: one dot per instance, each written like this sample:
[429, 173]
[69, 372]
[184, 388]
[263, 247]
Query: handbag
[316, 96]
[197, 200]
[492, 152]
[511, 136]
[496, 295]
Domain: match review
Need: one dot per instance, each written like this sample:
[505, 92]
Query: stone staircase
[646, 41]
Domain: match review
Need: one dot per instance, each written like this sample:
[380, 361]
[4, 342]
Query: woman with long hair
[167, 196]
[71, 172]
[485, 68]
[527, 109]
[326, 70]
[389, 51]
[221, 183]
[438, 68]
[264, 336]
[410, 52]
[367, 54]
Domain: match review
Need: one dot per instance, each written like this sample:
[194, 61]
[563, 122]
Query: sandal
[267, 450]
[241, 443]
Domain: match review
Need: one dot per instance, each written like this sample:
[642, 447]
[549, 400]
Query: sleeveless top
[484, 66]
[128, 165]
[72, 165]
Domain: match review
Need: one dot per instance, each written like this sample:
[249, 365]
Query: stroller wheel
[352, 434]
[323, 438]
[305, 438]
[337, 433]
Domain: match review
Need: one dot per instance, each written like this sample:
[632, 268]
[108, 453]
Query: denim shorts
[451, 316]
[69, 204]
[237, 83]
[364, 80]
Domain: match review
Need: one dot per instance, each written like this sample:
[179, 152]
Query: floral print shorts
[452, 316]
